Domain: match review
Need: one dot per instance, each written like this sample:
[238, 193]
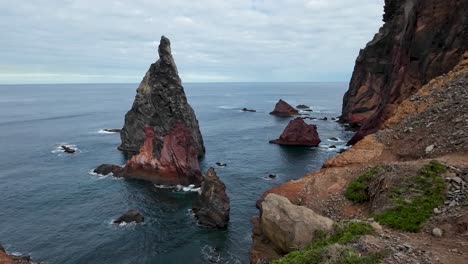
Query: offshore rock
[177, 163]
[420, 40]
[284, 109]
[161, 103]
[290, 227]
[106, 169]
[212, 207]
[130, 216]
[299, 133]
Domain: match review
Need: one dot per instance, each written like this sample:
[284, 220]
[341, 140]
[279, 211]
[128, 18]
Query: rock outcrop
[212, 206]
[11, 259]
[290, 227]
[299, 133]
[107, 169]
[160, 103]
[130, 216]
[284, 109]
[175, 164]
[420, 40]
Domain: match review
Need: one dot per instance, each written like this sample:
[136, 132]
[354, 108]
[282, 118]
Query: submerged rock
[160, 103]
[68, 149]
[248, 110]
[299, 133]
[284, 109]
[130, 216]
[177, 163]
[419, 41]
[301, 106]
[221, 164]
[212, 206]
[106, 169]
[290, 227]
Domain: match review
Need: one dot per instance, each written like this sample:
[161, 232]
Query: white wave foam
[226, 107]
[58, 148]
[332, 140]
[180, 188]
[104, 132]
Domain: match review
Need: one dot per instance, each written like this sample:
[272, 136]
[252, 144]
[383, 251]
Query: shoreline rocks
[5, 258]
[284, 109]
[299, 133]
[130, 216]
[160, 103]
[107, 169]
[212, 206]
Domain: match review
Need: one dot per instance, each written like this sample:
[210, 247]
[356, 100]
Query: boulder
[290, 227]
[130, 216]
[299, 133]
[418, 41]
[212, 206]
[160, 103]
[106, 169]
[68, 149]
[284, 109]
[177, 163]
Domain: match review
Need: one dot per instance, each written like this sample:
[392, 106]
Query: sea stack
[284, 109]
[418, 41]
[212, 207]
[299, 133]
[160, 103]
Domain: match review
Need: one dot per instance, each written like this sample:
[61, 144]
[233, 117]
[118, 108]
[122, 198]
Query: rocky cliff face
[420, 40]
[176, 163]
[212, 206]
[160, 103]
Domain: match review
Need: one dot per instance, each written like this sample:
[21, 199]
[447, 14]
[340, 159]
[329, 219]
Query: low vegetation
[415, 199]
[358, 189]
[343, 234]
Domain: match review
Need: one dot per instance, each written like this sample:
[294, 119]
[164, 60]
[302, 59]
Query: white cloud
[212, 40]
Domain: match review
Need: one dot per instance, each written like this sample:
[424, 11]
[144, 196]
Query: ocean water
[53, 209]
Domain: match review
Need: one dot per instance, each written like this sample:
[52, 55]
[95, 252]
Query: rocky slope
[420, 40]
[161, 103]
[429, 125]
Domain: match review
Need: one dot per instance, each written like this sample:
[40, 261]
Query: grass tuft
[358, 189]
[415, 200]
[344, 233]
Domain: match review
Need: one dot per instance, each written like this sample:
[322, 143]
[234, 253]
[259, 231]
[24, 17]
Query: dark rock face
[160, 103]
[284, 109]
[420, 40]
[130, 216]
[299, 133]
[106, 169]
[177, 163]
[212, 207]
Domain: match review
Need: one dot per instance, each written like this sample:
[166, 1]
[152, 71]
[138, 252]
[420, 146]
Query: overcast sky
[92, 41]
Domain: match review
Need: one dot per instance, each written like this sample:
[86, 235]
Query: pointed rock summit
[299, 133]
[160, 103]
[284, 109]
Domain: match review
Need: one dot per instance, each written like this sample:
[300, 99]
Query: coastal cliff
[408, 168]
[419, 41]
[161, 103]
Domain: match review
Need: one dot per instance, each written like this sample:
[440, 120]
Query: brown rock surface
[176, 164]
[299, 133]
[419, 41]
[284, 109]
[212, 206]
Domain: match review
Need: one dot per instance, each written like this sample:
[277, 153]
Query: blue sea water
[53, 209]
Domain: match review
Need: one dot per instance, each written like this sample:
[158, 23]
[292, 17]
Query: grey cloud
[230, 40]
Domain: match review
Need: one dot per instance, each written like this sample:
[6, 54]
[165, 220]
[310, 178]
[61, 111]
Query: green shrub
[344, 233]
[358, 189]
[414, 203]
